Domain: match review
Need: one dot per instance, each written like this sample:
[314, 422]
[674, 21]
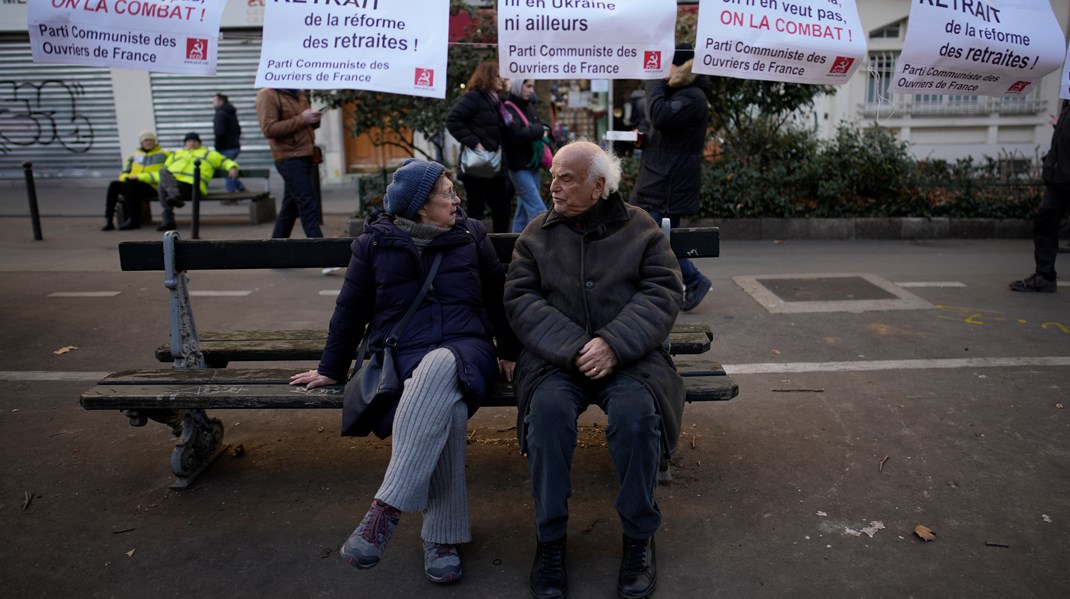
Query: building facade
[75, 121]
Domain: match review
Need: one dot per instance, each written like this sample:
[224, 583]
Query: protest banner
[582, 39]
[389, 46]
[802, 41]
[166, 36]
[978, 47]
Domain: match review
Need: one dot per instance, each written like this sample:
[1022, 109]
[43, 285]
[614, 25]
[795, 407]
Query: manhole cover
[825, 289]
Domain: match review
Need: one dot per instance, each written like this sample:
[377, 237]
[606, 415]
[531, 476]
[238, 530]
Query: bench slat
[226, 388]
[205, 254]
[307, 344]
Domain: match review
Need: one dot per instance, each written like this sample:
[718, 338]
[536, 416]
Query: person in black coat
[475, 121]
[670, 167]
[227, 134]
[446, 355]
[1056, 176]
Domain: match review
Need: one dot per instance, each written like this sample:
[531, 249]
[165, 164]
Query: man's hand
[596, 359]
[506, 368]
[311, 117]
[233, 174]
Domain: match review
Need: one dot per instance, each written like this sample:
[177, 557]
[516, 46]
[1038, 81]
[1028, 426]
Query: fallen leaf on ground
[238, 451]
[65, 349]
[925, 533]
[130, 553]
[1059, 405]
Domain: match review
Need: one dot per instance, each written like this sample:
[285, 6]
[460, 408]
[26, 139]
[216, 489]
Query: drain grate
[854, 292]
[825, 289]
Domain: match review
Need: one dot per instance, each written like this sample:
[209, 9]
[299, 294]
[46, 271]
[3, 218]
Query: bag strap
[523, 117]
[392, 338]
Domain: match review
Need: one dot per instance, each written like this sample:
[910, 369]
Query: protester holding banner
[524, 150]
[289, 123]
[475, 121]
[149, 158]
[670, 168]
[1056, 176]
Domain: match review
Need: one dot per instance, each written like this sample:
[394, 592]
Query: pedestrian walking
[289, 123]
[227, 131]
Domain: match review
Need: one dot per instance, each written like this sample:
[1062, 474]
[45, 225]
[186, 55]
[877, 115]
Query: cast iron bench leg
[200, 440]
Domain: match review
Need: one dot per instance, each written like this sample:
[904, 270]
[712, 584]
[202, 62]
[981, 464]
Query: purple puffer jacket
[463, 309]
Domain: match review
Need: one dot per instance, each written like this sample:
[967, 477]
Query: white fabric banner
[978, 47]
[393, 46]
[802, 41]
[166, 36]
[1064, 83]
[583, 39]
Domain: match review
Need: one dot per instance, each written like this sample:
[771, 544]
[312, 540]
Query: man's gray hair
[604, 164]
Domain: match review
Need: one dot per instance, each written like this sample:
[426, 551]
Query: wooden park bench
[261, 203]
[199, 379]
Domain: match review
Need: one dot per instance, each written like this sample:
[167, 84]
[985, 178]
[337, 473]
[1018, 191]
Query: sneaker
[1034, 282]
[442, 563]
[365, 547]
[694, 294]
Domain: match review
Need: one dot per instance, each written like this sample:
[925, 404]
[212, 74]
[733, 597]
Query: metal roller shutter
[183, 103]
[60, 117]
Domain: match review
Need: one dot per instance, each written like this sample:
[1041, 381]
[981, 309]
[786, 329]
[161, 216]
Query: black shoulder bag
[371, 393]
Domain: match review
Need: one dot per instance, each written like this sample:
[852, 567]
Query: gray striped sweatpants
[426, 470]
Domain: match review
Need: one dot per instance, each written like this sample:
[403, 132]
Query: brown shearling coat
[280, 119]
[610, 273]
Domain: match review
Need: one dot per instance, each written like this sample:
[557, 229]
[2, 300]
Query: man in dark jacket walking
[1056, 176]
[227, 134]
[592, 293]
[670, 167]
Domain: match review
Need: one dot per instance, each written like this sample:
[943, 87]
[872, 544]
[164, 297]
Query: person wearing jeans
[523, 133]
[227, 134]
[289, 123]
[297, 199]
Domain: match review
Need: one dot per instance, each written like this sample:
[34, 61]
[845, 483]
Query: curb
[754, 229]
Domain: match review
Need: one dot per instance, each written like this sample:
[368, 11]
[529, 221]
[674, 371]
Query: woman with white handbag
[475, 121]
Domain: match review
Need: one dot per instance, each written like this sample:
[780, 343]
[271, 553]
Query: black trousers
[495, 193]
[132, 193]
[1050, 213]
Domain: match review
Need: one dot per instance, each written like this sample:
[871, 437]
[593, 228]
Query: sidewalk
[852, 426]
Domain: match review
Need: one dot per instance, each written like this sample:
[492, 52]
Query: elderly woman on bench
[445, 356]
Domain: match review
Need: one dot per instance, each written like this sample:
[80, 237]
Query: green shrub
[857, 173]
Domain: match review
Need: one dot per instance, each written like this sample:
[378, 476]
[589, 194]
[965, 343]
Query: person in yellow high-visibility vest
[175, 180]
[148, 158]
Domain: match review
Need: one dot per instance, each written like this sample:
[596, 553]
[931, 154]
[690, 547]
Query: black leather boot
[548, 580]
[638, 569]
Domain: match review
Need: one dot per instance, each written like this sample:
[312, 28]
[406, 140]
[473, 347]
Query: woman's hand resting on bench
[311, 379]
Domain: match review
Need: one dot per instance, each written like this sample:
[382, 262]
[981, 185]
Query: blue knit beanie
[411, 186]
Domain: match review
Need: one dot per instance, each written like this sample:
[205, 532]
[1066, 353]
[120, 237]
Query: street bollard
[31, 193]
[195, 229]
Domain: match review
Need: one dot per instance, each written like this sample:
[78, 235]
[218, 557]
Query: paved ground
[851, 428]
